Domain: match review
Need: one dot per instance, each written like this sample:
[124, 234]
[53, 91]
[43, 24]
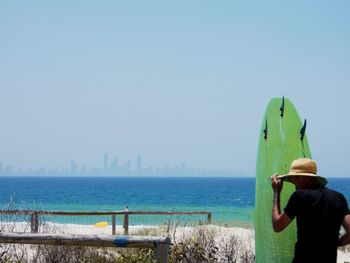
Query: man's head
[303, 173]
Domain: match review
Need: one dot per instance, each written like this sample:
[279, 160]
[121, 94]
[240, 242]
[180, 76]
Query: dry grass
[205, 244]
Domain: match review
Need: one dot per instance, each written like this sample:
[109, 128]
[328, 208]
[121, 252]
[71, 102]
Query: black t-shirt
[319, 214]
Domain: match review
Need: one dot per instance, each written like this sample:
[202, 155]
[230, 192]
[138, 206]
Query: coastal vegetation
[201, 243]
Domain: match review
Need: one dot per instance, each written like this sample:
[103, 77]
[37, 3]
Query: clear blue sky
[181, 81]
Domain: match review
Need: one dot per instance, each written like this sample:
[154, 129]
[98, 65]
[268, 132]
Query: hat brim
[287, 177]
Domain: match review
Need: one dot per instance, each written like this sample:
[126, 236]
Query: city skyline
[114, 167]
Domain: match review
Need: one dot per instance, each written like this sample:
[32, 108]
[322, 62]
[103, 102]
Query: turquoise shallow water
[231, 200]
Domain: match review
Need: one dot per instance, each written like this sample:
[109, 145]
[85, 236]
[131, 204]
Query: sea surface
[231, 200]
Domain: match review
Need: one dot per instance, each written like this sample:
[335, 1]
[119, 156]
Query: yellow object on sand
[101, 224]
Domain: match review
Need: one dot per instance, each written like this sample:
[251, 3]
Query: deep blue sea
[229, 199]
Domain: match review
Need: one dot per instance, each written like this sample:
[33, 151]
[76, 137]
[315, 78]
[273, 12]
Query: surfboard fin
[282, 107]
[302, 131]
[265, 131]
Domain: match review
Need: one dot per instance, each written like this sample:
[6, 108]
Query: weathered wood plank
[162, 252]
[209, 218]
[168, 213]
[102, 213]
[84, 240]
[34, 222]
[114, 223]
[126, 224]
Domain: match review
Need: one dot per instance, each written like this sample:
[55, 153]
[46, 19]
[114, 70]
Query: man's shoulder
[332, 192]
[317, 189]
[325, 191]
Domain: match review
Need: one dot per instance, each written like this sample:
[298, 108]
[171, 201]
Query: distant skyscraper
[139, 165]
[105, 163]
[73, 167]
[114, 166]
[128, 168]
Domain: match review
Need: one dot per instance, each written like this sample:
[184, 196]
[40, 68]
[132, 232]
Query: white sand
[343, 257]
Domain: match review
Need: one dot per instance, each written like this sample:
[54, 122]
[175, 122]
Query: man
[319, 212]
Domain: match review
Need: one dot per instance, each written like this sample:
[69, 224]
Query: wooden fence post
[209, 218]
[126, 223]
[163, 251]
[114, 222]
[34, 222]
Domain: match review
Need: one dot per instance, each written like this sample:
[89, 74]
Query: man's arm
[279, 220]
[345, 239]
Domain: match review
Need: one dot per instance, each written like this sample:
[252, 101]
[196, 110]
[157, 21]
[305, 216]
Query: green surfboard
[282, 139]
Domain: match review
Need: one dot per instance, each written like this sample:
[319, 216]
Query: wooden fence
[35, 215]
[161, 244]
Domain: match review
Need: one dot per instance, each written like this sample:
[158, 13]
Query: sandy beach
[244, 236]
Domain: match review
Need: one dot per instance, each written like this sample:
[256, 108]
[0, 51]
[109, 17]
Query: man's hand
[276, 184]
[279, 220]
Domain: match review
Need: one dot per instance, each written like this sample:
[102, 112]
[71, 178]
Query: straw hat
[303, 167]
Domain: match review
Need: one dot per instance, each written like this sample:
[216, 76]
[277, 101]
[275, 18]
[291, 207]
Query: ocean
[231, 200]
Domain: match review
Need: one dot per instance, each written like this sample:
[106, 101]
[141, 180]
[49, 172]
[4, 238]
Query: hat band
[300, 171]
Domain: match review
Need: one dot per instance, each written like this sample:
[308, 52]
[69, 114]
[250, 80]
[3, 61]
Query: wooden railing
[161, 244]
[34, 216]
